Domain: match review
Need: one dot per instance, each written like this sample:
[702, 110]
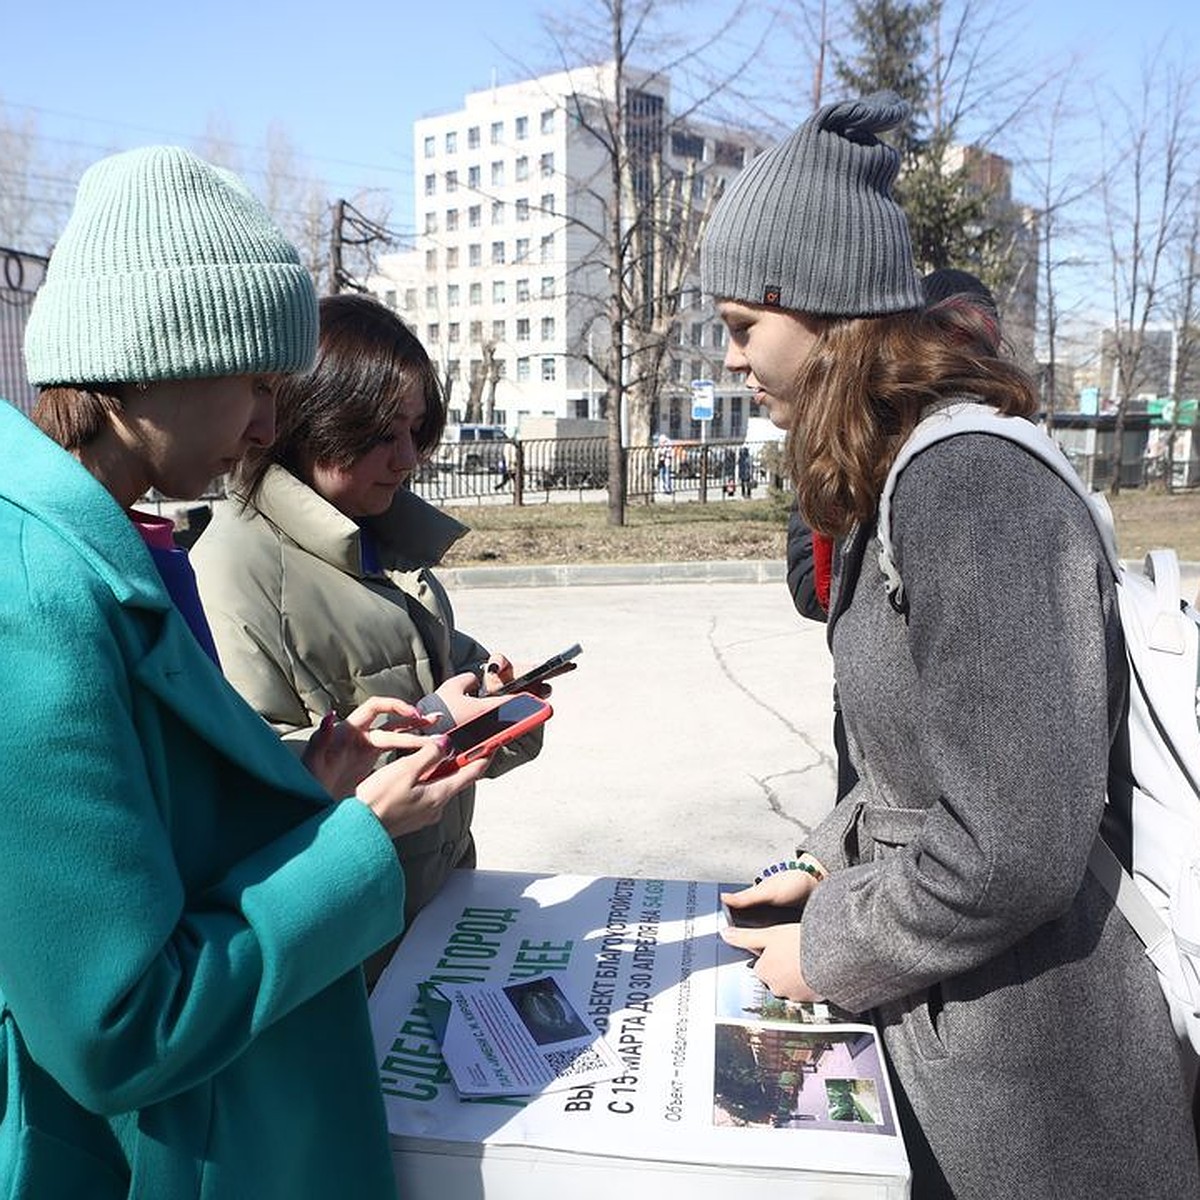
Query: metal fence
[533, 471]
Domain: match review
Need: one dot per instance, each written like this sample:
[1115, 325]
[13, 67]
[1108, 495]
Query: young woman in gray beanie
[183, 906]
[948, 893]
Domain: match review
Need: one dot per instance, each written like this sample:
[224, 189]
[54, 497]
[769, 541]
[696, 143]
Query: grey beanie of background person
[811, 224]
[168, 269]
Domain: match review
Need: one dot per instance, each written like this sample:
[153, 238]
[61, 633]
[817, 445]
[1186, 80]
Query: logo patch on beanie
[771, 295]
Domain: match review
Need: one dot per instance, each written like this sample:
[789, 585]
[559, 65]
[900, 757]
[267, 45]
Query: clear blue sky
[346, 81]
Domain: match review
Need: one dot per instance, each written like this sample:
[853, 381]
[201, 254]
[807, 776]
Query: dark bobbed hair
[367, 361]
[75, 416]
[863, 388]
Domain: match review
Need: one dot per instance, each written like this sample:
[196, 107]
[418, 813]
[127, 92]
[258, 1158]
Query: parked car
[473, 448]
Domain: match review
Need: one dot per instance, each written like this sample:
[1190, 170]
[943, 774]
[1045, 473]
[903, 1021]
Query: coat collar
[411, 534]
[40, 477]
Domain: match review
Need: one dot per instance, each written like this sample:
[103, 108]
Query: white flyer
[516, 1039]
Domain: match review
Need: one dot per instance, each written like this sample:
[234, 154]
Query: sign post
[702, 410]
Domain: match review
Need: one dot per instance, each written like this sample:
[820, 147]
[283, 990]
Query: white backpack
[1162, 636]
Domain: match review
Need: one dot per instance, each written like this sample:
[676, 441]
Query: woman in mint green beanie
[183, 906]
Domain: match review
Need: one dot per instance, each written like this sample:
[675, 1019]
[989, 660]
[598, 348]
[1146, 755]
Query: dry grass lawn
[730, 529]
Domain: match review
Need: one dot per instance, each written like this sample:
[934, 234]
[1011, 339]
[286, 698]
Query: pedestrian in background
[949, 893]
[183, 906]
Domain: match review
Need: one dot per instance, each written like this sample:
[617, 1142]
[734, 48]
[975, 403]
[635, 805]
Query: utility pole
[336, 271]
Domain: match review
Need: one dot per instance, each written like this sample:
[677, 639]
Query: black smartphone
[761, 916]
[557, 664]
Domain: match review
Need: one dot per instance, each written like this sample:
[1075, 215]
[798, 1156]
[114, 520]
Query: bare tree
[35, 187]
[1061, 194]
[1183, 303]
[644, 219]
[1148, 187]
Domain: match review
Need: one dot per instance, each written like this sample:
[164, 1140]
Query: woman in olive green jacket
[316, 577]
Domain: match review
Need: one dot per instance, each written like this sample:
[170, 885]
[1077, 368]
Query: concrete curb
[604, 574]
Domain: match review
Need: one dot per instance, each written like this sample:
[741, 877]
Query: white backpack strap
[969, 417]
[1142, 916]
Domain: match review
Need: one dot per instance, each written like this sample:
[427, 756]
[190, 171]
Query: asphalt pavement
[692, 741]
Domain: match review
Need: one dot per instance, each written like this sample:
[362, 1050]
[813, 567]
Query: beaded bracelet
[791, 864]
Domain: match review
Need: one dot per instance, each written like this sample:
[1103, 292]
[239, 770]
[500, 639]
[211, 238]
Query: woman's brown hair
[864, 387]
[75, 416]
[367, 361]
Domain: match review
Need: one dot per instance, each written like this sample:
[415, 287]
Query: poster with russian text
[713, 1069]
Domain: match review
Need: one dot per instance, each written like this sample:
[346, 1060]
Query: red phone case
[493, 743]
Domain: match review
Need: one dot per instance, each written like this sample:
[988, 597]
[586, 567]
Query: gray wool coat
[1023, 1022]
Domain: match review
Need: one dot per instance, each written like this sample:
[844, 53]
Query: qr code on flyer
[579, 1061]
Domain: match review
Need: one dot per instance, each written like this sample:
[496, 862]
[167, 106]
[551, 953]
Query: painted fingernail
[493, 668]
[443, 742]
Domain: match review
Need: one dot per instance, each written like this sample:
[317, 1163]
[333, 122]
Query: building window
[522, 250]
[452, 332]
[548, 120]
[717, 333]
[548, 248]
[547, 370]
[497, 132]
[389, 297]
[431, 222]
[547, 287]
[547, 329]
[497, 331]
[497, 254]
[410, 298]
[430, 146]
[521, 126]
[475, 332]
[523, 209]
[474, 216]
[497, 212]
[473, 138]
[548, 203]
[451, 142]
[452, 258]
[430, 185]
[497, 174]
[522, 171]
[473, 178]
[522, 290]
[696, 335]
[547, 165]
[474, 255]
[522, 329]
[687, 145]
[452, 294]
[452, 220]
[728, 154]
[451, 181]
[431, 260]
[475, 293]
[676, 373]
[431, 297]
[501, 369]
[433, 332]
[735, 415]
[522, 370]
[497, 291]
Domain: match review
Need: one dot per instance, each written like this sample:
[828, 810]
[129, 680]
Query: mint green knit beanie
[168, 269]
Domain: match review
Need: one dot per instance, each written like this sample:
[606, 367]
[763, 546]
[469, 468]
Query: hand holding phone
[557, 664]
[482, 736]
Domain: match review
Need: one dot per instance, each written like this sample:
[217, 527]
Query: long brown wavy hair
[862, 390]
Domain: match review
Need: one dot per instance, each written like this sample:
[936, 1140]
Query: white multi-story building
[511, 206]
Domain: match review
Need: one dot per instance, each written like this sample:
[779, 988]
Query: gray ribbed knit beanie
[168, 269]
[812, 225]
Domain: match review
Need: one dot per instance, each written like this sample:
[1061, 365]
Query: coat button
[448, 849]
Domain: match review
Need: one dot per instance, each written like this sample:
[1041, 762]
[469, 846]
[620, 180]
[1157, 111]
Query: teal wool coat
[182, 908]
